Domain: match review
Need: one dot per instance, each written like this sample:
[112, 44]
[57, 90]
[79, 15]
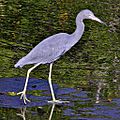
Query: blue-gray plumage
[51, 48]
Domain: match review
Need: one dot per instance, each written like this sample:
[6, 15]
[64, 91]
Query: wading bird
[52, 48]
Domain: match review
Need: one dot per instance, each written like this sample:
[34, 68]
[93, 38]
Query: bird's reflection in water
[23, 111]
[52, 110]
[22, 114]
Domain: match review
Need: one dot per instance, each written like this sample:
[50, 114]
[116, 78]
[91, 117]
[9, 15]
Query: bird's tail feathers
[20, 63]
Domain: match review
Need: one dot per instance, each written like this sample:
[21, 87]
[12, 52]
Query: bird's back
[47, 51]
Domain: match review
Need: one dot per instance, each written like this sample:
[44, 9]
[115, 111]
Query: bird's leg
[50, 82]
[51, 89]
[23, 93]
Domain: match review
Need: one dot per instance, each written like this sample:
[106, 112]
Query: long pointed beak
[96, 19]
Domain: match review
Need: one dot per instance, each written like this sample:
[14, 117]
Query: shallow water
[82, 105]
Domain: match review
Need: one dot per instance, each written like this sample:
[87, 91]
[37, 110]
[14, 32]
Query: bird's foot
[23, 96]
[58, 102]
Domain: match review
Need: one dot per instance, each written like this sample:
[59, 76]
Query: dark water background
[90, 71]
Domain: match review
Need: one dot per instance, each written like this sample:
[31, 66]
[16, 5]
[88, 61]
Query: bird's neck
[79, 30]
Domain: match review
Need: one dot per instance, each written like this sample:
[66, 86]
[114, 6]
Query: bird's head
[87, 14]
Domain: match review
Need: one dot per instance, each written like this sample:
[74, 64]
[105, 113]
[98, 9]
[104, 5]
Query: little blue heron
[52, 48]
